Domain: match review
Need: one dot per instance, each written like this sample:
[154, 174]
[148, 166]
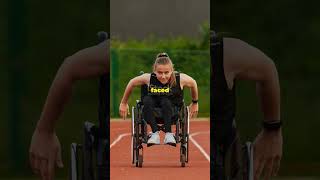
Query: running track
[160, 162]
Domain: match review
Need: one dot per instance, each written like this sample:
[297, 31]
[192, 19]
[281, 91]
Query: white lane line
[119, 138]
[198, 146]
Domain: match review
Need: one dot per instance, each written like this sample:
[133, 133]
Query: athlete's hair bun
[163, 54]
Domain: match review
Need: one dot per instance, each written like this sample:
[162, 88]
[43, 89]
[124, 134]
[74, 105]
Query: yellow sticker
[160, 90]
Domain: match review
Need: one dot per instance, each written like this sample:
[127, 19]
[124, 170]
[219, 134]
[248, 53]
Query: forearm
[194, 90]
[59, 94]
[269, 93]
[87, 63]
[127, 93]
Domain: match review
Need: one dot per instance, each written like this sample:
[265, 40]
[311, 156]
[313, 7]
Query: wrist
[123, 102]
[44, 127]
[273, 133]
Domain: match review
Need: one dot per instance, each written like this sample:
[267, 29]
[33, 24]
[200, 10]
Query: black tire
[136, 136]
[183, 160]
[182, 125]
[178, 132]
[133, 140]
[133, 148]
[185, 135]
[187, 150]
[140, 161]
[137, 157]
[184, 142]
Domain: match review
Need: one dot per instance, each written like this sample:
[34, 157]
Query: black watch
[272, 125]
[194, 101]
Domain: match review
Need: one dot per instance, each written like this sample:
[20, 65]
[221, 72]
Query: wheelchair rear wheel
[136, 146]
[184, 148]
[140, 161]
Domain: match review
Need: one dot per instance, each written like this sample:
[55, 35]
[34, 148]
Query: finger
[44, 168]
[33, 164]
[196, 114]
[256, 159]
[128, 110]
[124, 115]
[268, 169]
[259, 169]
[191, 114]
[36, 166]
[31, 160]
[276, 166]
[51, 167]
[59, 161]
[256, 164]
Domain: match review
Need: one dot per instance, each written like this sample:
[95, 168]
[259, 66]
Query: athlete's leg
[148, 108]
[167, 113]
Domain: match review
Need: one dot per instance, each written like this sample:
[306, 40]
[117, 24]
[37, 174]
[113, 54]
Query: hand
[193, 109]
[124, 110]
[44, 154]
[267, 153]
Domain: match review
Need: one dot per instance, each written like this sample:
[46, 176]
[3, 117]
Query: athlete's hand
[124, 110]
[45, 154]
[267, 153]
[193, 108]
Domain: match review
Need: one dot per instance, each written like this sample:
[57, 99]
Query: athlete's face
[163, 72]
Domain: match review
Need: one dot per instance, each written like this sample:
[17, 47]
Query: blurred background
[35, 37]
[288, 32]
[139, 31]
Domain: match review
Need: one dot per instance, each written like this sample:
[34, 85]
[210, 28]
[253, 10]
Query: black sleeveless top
[174, 93]
[223, 104]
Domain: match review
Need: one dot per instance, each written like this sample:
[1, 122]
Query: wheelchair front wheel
[183, 157]
[140, 161]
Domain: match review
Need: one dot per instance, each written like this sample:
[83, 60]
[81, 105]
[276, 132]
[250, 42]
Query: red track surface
[162, 161]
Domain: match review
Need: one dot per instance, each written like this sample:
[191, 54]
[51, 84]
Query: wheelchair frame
[248, 154]
[139, 134]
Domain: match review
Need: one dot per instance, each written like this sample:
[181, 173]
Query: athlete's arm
[139, 80]
[187, 81]
[45, 146]
[243, 61]
[87, 63]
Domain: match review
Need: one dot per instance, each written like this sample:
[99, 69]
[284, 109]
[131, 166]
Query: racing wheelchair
[139, 135]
